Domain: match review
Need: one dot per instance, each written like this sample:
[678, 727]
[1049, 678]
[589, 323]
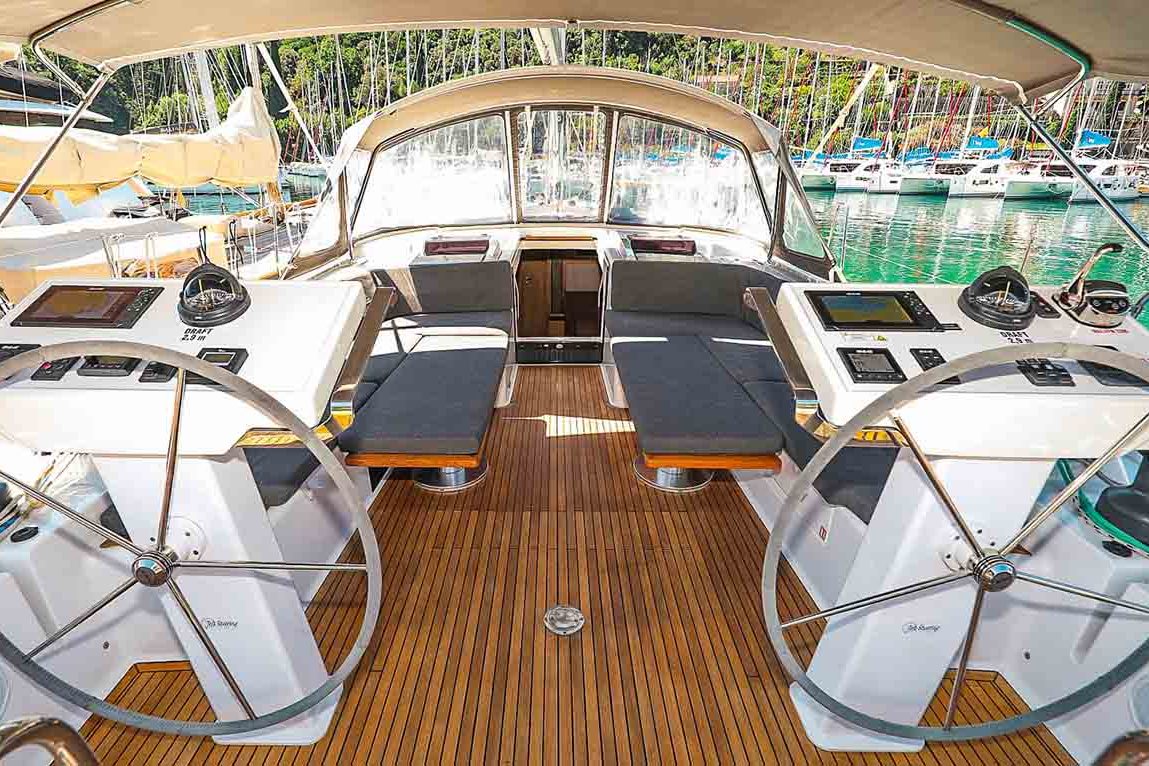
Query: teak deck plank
[673, 666]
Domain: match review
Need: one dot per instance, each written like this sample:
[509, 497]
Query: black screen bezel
[124, 317]
[901, 296]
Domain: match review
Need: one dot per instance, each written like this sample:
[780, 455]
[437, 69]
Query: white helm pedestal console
[993, 442]
[291, 342]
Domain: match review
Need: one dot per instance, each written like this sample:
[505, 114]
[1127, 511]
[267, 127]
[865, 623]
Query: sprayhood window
[456, 174]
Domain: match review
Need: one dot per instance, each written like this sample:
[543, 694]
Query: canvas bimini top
[1020, 49]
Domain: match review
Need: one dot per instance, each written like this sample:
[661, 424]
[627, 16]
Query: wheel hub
[153, 568]
[994, 572]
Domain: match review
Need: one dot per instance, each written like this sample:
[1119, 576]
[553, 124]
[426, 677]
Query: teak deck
[673, 665]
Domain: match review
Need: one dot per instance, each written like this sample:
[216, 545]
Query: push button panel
[929, 358]
[55, 370]
[1044, 373]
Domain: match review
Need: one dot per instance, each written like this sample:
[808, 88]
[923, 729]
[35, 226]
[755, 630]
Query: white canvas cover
[973, 40]
[242, 151]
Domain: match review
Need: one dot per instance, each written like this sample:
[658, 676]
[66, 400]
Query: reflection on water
[889, 238]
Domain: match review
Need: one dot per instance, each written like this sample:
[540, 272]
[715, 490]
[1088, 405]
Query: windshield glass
[561, 155]
[666, 175]
[456, 174]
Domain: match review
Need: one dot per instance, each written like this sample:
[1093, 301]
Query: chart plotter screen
[855, 309]
[86, 306]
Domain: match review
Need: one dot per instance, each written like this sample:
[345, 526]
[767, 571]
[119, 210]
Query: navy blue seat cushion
[279, 471]
[683, 402]
[438, 400]
[856, 475]
[747, 360]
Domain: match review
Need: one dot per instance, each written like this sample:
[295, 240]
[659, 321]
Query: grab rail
[59, 739]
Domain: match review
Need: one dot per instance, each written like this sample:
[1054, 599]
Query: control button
[929, 358]
[55, 370]
[1111, 376]
[157, 372]
[1044, 308]
[1042, 372]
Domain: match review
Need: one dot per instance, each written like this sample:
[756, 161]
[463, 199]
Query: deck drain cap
[564, 620]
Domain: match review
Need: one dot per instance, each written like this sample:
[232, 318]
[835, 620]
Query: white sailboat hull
[1036, 188]
[925, 184]
[814, 181]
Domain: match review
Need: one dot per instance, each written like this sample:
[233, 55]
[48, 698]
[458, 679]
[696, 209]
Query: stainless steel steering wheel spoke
[82, 618]
[209, 645]
[1074, 590]
[879, 598]
[963, 663]
[935, 480]
[1071, 488]
[170, 465]
[59, 507]
[292, 566]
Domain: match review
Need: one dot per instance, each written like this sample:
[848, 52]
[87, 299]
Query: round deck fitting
[449, 479]
[677, 480]
[564, 620]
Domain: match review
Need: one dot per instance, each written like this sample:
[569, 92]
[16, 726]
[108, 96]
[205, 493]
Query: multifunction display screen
[847, 308]
[87, 306]
[872, 310]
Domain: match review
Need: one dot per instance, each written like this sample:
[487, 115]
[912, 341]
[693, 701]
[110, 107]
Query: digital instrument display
[865, 309]
[230, 359]
[107, 366]
[872, 310]
[88, 306]
[871, 365]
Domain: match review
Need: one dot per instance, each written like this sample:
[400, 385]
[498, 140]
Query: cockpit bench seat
[433, 379]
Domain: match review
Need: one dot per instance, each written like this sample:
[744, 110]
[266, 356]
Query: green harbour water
[893, 238]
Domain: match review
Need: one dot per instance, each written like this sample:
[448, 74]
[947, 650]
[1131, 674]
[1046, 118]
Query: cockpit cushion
[279, 471]
[853, 479]
[439, 288]
[439, 399]
[682, 401]
[685, 286]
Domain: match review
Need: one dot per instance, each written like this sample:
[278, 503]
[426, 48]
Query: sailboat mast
[969, 116]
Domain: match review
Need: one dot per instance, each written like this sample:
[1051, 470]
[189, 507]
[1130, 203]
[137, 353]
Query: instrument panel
[291, 342]
[857, 341]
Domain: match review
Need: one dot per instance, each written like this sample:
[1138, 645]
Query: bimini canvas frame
[1006, 18]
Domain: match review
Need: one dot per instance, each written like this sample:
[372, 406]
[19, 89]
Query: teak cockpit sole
[673, 665]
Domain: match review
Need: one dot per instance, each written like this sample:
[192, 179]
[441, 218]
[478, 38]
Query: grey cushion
[450, 287]
[694, 287]
[856, 475]
[747, 360]
[279, 471]
[658, 324]
[437, 401]
[683, 401]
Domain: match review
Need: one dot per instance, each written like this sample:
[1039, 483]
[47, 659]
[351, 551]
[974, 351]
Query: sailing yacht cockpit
[563, 437]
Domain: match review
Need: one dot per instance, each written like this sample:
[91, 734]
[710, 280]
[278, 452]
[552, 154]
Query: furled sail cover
[242, 151]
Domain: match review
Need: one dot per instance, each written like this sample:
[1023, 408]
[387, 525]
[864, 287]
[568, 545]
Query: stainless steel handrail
[60, 740]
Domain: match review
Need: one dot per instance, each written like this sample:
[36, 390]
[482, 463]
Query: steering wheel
[990, 571]
[157, 566]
